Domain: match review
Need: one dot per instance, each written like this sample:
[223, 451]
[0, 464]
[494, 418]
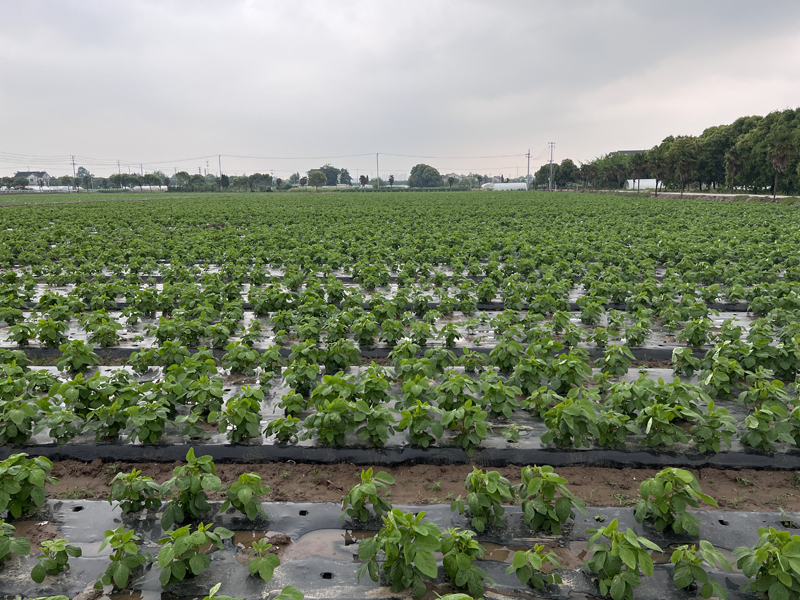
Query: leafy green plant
[244, 495]
[571, 422]
[540, 507]
[9, 544]
[22, 481]
[664, 499]
[527, 566]
[485, 492]
[689, 572]
[455, 390]
[657, 421]
[569, 370]
[77, 357]
[418, 420]
[54, 558]
[147, 420]
[132, 492]
[617, 564]
[772, 563]
[614, 427]
[616, 360]
[377, 422]
[63, 422]
[285, 429]
[125, 557]
[713, 426]
[407, 543]
[498, 396]
[333, 419]
[469, 423]
[355, 503]
[182, 551]
[241, 416]
[240, 358]
[460, 550]
[262, 562]
[696, 332]
[299, 375]
[766, 425]
[51, 333]
[19, 420]
[192, 482]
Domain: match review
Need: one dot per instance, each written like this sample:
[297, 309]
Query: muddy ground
[748, 490]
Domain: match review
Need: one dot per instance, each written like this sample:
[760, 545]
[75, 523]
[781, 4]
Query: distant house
[33, 177]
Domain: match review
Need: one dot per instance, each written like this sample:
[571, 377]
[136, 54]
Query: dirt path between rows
[747, 490]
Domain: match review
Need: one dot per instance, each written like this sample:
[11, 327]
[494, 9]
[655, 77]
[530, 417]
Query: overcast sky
[157, 81]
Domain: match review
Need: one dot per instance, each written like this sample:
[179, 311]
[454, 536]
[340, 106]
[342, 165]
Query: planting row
[528, 233]
[513, 390]
[402, 550]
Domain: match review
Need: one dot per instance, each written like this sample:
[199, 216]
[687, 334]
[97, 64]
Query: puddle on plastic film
[331, 544]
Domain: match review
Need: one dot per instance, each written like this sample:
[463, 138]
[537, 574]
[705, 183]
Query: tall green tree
[684, 156]
[423, 175]
[781, 149]
[658, 164]
[317, 179]
[638, 166]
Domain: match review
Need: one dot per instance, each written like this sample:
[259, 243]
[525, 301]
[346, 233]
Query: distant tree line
[753, 154]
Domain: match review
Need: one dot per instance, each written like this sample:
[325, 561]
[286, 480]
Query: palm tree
[657, 164]
[734, 163]
[303, 182]
[450, 181]
[780, 152]
[639, 168]
[480, 179]
[391, 181]
[684, 157]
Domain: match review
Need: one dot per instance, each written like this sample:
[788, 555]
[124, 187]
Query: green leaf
[38, 573]
[426, 563]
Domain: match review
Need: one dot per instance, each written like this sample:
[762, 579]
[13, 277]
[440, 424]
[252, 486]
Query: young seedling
[540, 507]
[617, 564]
[460, 550]
[407, 543]
[125, 557]
[262, 562]
[485, 492]
[54, 559]
[527, 566]
[132, 492]
[244, 495]
[192, 481]
[689, 572]
[665, 498]
[771, 564]
[184, 551]
[366, 492]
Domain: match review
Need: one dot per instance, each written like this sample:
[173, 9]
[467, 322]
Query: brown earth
[747, 490]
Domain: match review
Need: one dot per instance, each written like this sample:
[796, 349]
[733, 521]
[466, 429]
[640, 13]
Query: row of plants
[577, 406]
[406, 541]
[456, 230]
[616, 559]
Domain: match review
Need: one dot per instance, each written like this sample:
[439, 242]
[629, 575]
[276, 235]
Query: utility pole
[220, 164]
[550, 183]
[206, 167]
[74, 175]
[378, 172]
[528, 176]
[141, 169]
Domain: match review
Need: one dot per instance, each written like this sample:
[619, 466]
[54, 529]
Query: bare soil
[747, 490]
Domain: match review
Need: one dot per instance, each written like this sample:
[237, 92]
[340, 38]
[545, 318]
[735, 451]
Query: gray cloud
[147, 81]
